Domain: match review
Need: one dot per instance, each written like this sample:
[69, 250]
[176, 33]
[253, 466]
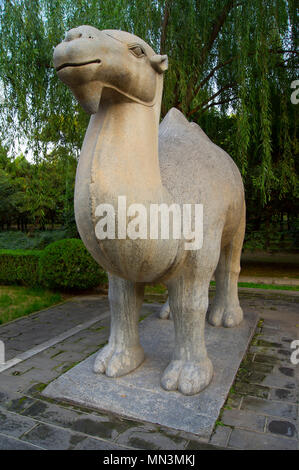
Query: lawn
[160, 289]
[17, 301]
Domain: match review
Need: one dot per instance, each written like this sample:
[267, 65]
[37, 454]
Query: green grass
[267, 286]
[17, 301]
[156, 289]
[255, 285]
[160, 289]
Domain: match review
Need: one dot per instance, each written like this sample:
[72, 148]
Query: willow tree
[231, 61]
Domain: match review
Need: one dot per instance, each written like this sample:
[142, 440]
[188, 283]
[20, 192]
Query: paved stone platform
[139, 394]
[261, 411]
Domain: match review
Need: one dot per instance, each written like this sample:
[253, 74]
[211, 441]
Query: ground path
[261, 412]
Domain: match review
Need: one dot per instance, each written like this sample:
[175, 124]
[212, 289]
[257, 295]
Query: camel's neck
[120, 158]
[125, 159]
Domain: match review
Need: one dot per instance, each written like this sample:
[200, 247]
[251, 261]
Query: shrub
[66, 264]
[37, 240]
[19, 267]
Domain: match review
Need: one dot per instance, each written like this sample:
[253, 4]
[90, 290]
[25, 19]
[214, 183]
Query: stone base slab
[139, 395]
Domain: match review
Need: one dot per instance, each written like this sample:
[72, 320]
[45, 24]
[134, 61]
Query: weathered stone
[100, 427]
[36, 388]
[267, 407]
[287, 340]
[266, 359]
[271, 326]
[257, 367]
[20, 336]
[139, 396]
[118, 78]
[285, 395]
[13, 424]
[244, 419]
[96, 444]
[53, 438]
[220, 436]
[280, 377]
[256, 377]
[247, 440]
[52, 414]
[196, 445]
[140, 438]
[285, 428]
[9, 443]
[268, 344]
[19, 405]
[251, 389]
[234, 400]
[287, 371]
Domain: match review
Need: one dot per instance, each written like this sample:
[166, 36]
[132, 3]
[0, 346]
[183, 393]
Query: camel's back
[193, 169]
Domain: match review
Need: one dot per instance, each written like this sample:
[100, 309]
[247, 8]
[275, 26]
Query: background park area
[232, 69]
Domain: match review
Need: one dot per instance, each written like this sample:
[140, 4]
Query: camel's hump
[175, 123]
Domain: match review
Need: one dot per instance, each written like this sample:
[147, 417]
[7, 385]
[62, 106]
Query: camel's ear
[159, 63]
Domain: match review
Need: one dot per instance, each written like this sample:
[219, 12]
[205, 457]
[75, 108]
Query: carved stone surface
[118, 79]
[139, 395]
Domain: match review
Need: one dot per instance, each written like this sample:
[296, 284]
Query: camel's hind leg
[226, 310]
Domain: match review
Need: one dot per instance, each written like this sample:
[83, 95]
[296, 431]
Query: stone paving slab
[263, 372]
[139, 394]
[27, 332]
[13, 424]
[244, 419]
[270, 408]
[10, 443]
[54, 438]
[247, 440]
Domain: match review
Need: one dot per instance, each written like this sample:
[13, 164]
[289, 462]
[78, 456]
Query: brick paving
[261, 411]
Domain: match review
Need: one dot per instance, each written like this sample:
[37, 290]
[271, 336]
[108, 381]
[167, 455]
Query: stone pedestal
[139, 394]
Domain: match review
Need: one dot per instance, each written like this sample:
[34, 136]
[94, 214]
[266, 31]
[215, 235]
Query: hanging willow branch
[228, 59]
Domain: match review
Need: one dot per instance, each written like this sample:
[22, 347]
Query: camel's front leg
[123, 353]
[190, 370]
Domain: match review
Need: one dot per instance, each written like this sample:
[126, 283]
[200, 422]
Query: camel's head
[88, 60]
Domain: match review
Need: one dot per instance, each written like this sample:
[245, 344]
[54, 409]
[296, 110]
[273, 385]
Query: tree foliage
[37, 193]
[231, 67]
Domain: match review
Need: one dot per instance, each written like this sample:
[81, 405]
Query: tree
[38, 193]
[4, 159]
[227, 58]
[11, 199]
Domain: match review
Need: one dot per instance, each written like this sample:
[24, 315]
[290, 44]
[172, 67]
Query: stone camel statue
[118, 79]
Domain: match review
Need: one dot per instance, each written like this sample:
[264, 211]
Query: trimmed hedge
[19, 267]
[66, 264]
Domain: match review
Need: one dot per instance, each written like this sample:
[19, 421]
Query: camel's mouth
[69, 64]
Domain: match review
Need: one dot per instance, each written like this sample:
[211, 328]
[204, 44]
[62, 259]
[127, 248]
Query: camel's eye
[137, 51]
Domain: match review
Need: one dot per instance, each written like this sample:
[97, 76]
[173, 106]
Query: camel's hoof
[116, 363]
[227, 317]
[189, 377]
[165, 311]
